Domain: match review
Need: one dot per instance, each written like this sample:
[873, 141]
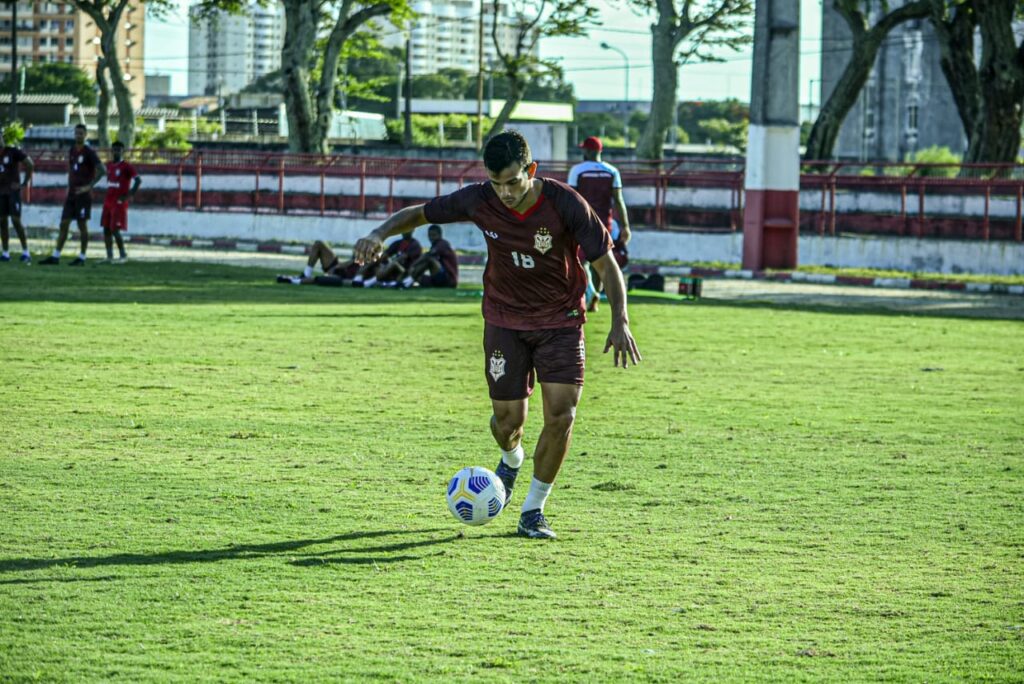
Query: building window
[912, 118]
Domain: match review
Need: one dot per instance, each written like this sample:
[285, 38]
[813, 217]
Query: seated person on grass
[439, 267]
[397, 258]
[335, 272]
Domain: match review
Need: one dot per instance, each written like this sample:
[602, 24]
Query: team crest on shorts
[542, 241]
[497, 369]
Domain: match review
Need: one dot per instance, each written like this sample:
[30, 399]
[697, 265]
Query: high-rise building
[228, 52]
[57, 32]
[444, 34]
[906, 105]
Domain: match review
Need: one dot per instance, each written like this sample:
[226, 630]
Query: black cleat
[50, 261]
[26, 259]
[534, 525]
[79, 261]
[5, 257]
[507, 474]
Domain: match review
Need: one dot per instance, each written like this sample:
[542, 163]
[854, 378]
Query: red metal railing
[835, 180]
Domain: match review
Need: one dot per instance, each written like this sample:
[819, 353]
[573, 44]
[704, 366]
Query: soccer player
[398, 257]
[84, 170]
[11, 160]
[601, 185]
[336, 272]
[439, 267]
[114, 218]
[532, 306]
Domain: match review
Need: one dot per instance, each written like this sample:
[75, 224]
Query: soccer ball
[476, 496]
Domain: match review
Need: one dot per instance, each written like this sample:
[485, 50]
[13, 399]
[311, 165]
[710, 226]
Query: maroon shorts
[512, 356]
[115, 214]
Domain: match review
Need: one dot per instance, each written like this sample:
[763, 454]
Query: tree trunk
[103, 105]
[343, 29]
[107, 24]
[666, 83]
[296, 54]
[1002, 72]
[866, 44]
[125, 110]
[955, 38]
[515, 96]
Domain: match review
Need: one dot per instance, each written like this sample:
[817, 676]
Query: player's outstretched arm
[368, 249]
[620, 338]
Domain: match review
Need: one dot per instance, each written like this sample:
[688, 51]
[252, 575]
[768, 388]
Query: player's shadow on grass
[365, 555]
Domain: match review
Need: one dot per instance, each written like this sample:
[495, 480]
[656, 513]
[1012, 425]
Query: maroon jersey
[10, 171]
[407, 251]
[443, 252]
[533, 279]
[119, 179]
[82, 163]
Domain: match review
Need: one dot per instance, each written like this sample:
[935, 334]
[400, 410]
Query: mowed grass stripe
[209, 476]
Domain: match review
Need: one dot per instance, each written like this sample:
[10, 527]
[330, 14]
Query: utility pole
[14, 61]
[480, 78]
[771, 213]
[407, 133]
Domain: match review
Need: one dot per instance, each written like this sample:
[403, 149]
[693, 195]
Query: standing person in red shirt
[84, 170]
[11, 160]
[114, 219]
[533, 304]
[439, 267]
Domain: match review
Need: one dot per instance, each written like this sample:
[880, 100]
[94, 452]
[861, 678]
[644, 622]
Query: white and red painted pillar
[771, 213]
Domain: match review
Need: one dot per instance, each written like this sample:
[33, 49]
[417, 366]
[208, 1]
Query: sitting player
[114, 219]
[439, 267]
[336, 272]
[398, 257]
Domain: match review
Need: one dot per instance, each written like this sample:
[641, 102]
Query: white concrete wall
[907, 254]
[1000, 207]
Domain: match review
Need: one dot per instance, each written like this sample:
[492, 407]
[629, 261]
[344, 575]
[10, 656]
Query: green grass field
[208, 476]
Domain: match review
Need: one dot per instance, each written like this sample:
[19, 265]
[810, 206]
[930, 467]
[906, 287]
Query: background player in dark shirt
[533, 303]
[84, 170]
[439, 267]
[397, 258]
[11, 160]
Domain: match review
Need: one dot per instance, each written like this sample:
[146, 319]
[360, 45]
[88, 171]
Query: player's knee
[560, 420]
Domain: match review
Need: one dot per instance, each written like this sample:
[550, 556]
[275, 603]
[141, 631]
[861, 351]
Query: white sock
[537, 495]
[56, 254]
[357, 279]
[407, 281]
[307, 272]
[24, 252]
[5, 254]
[514, 458]
[82, 256]
[370, 282]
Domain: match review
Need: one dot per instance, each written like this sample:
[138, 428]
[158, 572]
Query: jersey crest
[542, 240]
[497, 368]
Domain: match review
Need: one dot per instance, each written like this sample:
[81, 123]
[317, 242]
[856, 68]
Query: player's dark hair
[507, 148]
[82, 126]
[434, 226]
[118, 143]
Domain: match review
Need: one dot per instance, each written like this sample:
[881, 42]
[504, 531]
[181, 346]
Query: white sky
[596, 73]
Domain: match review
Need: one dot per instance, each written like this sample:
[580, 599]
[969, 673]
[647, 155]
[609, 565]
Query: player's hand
[367, 249]
[625, 235]
[83, 189]
[122, 200]
[621, 340]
